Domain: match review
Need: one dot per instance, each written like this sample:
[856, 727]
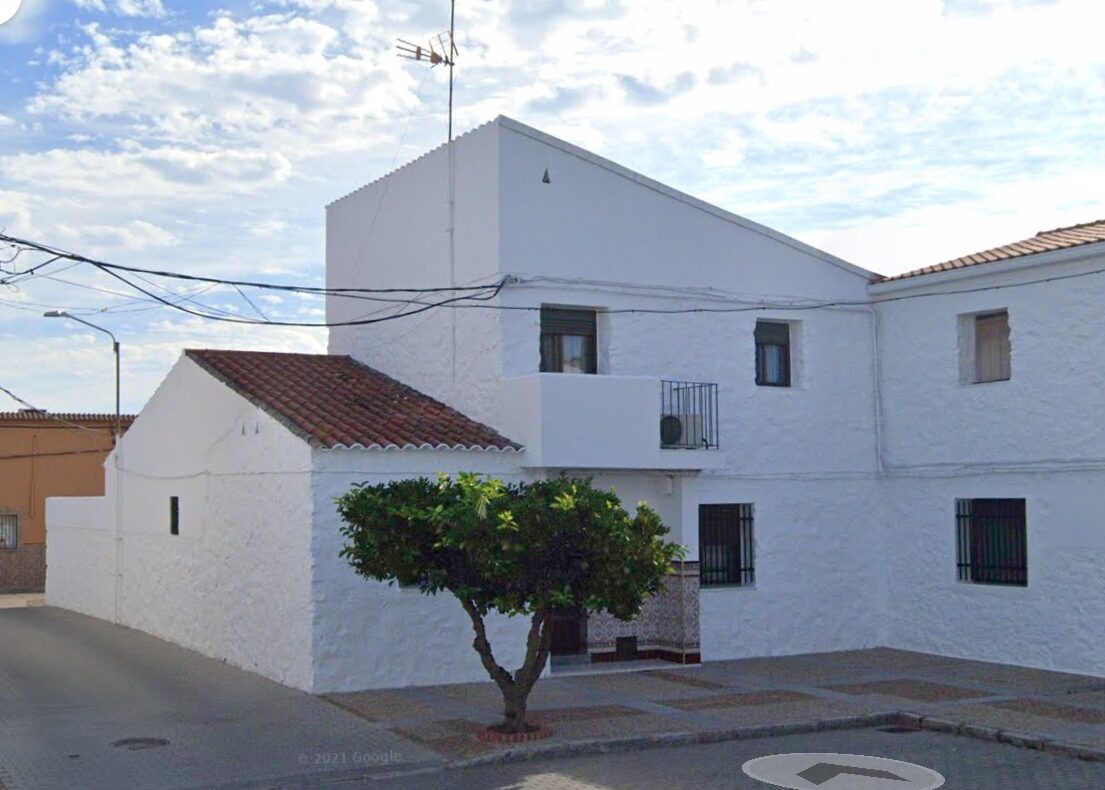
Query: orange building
[44, 455]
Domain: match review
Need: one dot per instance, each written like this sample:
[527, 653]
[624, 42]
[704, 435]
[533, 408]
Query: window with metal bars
[9, 531]
[772, 354]
[726, 549]
[992, 541]
[568, 341]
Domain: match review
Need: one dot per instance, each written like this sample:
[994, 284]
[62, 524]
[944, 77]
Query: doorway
[569, 634]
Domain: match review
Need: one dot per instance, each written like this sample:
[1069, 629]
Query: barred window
[992, 541]
[9, 531]
[725, 545]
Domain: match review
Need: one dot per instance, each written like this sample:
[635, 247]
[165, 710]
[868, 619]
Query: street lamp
[115, 345]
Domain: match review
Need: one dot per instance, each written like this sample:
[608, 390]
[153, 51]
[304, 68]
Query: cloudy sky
[207, 136]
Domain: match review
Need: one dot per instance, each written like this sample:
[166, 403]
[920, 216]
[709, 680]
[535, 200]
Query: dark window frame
[560, 322]
[992, 541]
[773, 334]
[726, 545]
[174, 515]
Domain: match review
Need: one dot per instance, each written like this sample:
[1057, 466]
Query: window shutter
[560, 321]
[992, 348]
[772, 333]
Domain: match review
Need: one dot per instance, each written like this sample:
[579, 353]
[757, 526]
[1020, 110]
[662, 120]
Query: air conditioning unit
[682, 430]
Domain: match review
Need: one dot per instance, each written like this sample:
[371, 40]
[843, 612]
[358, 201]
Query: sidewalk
[756, 697]
[21, 600]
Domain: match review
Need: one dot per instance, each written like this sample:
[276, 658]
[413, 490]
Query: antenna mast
[452, 59]
[447, 55]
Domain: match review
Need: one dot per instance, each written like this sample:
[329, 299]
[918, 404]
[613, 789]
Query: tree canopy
[530, 548]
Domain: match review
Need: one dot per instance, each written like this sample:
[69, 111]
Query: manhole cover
[138, 744]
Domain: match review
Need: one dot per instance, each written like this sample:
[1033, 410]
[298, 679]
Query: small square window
[725, 545]
[174, 515]
[9, 531]
[992, 541]
[772, 354]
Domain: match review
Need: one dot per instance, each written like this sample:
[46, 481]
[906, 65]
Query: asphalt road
[966, 764]
[72, 687]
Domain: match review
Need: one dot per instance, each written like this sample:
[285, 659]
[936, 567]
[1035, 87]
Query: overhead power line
[310, 289]
[467, 297]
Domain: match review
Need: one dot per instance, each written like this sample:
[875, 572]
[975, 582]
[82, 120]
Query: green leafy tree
[527, 549]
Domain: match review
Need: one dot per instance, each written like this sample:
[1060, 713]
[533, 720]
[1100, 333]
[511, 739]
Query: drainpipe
[876, 386]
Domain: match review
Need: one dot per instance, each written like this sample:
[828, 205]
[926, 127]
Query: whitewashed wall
[1038, 436]
[1056, 622]
[80, 555]
[820, 569]
[371, 635]
[604, 237]
[394, 233]
[235, 583]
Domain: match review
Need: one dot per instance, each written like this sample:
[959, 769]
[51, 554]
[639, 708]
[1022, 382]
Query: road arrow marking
[824, 772]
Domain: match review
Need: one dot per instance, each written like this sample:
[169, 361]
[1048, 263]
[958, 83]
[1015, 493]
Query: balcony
[572, 421]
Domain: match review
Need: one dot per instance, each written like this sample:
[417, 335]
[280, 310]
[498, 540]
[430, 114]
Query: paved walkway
[728, 699]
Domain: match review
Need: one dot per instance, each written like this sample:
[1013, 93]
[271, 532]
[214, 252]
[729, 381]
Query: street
[86, 704]
[967, 764]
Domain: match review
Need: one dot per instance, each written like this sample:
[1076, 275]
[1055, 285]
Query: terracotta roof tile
[33, 415]
[1044, 241]
[334, 401]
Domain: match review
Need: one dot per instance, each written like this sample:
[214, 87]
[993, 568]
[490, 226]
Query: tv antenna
[441, 50]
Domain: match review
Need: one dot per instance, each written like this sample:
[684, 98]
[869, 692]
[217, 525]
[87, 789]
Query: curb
[672, 739]
[1021, 740]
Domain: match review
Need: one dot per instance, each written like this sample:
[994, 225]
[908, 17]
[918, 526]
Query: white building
[851, 461]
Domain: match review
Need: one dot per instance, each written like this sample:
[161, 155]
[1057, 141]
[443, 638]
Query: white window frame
[14, 514]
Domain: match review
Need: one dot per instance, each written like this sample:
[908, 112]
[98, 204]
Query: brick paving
[733, 699]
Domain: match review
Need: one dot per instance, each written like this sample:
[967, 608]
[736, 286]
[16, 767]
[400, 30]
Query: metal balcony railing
[688, 415]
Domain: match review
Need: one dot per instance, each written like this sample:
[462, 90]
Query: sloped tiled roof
[1044, 241]
[334, 402]
[81, 418]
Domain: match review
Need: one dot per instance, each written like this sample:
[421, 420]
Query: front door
[569, 633]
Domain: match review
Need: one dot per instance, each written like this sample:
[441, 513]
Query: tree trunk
[517, 687]
[514, 709]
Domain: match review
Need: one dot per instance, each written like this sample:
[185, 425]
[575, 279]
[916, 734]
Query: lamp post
[118, 496]
[115, 345]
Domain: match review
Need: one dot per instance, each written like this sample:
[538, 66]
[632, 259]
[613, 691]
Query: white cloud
[135, 236]
[132, 8]
[917, 132]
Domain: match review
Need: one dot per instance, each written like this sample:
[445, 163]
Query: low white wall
[80, 556]
[370, 635]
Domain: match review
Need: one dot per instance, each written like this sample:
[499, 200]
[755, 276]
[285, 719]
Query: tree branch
[483, 647]
[537, 650]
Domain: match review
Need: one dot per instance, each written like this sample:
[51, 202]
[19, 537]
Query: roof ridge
[1044, 241]
[1069, 227]
[420, 157]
